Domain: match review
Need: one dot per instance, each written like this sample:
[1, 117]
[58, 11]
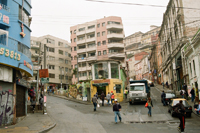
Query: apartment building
[101, 39]
[178, 26]
[58, 60]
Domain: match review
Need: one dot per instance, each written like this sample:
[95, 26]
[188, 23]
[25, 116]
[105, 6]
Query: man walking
[192, 94]
[163, 96]
[116, 110]
[102, 98]
[180, 110]
[94, 100]
[108, 98]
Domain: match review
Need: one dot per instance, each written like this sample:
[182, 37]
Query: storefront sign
[45, 80]
[2, 6]
[36, 67]
[23, 83]
[44, 73]
[5, 19]
[102, 81]
[28, 65]
[9, 53]
[100, 84]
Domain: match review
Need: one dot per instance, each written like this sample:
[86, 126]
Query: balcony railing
[90, 30]
[115, 35]
[116, 45]
[83, 78]
[114, 26]
[116, 55]
[91, 39]
[91, 48]
[80, 41]
[81, 50]
[80, 33]
[34, 46]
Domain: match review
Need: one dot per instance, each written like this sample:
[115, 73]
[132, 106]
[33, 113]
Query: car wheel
[172, 113]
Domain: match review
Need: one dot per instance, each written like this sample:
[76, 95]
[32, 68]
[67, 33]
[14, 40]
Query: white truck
[138, 91]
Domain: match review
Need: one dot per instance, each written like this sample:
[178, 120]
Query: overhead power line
[137, 4]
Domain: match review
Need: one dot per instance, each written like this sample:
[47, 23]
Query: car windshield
[137, 88]
[170, 95]
[185, 103]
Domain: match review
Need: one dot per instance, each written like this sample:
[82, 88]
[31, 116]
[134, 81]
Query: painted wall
[9, 54]
[7, 101]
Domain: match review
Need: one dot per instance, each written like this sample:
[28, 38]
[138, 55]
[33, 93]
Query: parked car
[169, 97]
[188, 108]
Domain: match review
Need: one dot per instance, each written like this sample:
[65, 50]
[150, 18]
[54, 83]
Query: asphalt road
[79, 118]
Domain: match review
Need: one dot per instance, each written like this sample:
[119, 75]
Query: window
[61, 60]
[91, 36]
[113, 50]
[81, 47]
[60, 44]
[84, 65]
[82, 56]
[66, 77]
[91, 54]
[103, 33]
[99, 53]
[113, 22]
[69, 55]
[74, 39]
[91, 27]
[25, 16]
[81, 38]
[66, 61]
[66, 53]
[60, 52]
[71, 40]
[74, 48]
[72, 66]
[91, 45]
[50, 49]
[51, 58]
[101, 70]
[61, 76]
[24, 49]
[190, 69]
[104, 42]
[137, 88]
[118, 88]
[103, 24]
[81, 29]
[104, 52]
[194, 67]
[98, 34]
[71, 58]
[66, 69]
[74, 31]
[98, 25]
[51, 41]
[51, 75]
[114, 70]
[70, 32]
[75, 65]
[99, 43]
[52, 67]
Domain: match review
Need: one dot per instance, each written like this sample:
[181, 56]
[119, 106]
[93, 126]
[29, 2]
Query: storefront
[106, 78]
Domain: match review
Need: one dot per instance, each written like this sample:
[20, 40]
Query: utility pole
[44, 95]
[37, 85]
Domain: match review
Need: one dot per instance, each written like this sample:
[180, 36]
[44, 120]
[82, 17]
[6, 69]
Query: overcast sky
[55, 17]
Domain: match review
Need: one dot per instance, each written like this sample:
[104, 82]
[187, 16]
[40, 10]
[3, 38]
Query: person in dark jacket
[180, 110]
[163, 96]
[102, 98]
[116, 109]
[94, 100]
[192, 94]
[150, 104]
[33, 103]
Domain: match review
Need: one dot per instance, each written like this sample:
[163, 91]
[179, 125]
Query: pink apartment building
[101, 39]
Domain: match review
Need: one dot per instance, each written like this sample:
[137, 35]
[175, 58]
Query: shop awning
[100, 84]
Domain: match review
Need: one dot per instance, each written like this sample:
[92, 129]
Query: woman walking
[150, 104]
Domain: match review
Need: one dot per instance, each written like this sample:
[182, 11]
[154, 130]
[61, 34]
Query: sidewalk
[32, 123]
[160, 87]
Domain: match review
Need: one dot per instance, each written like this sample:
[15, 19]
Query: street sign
[36, 67]
[45, 80]
[43, 73]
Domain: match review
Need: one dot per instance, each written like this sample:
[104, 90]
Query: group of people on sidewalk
[110, 97]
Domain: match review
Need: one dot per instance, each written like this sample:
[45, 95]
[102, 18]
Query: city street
[75, 117]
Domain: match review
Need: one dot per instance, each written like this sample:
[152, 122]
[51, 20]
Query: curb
[48, 128]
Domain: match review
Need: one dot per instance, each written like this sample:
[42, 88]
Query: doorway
[100, 89]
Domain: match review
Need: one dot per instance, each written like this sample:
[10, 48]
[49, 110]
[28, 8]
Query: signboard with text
[45, 80]
[44, 73]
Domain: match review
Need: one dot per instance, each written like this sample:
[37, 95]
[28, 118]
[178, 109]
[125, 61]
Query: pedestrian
[94, 100]
[180, 110]
[167, 84]
[116, 109]
[126, 93]
[197, 109]
[163, 96]
[185, 86]
[196, 102]
[33, 103]
[192, 94]
[112, 98]
[41, 100]
[96, 95]
[182, 92]
[186, 95]
[150, 104]
[53, 91]
[102, 98]
[163, 85]
[108, 96]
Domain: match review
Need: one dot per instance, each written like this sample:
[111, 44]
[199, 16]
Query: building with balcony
[96, 40]
[58, 60]
[176, 30]
[15, 59]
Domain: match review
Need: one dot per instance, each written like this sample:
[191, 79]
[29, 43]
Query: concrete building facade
[175, 31]
[96, 40]
[15, 59]
[58, 60]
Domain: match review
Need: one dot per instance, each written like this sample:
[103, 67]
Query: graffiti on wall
[6, 107]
